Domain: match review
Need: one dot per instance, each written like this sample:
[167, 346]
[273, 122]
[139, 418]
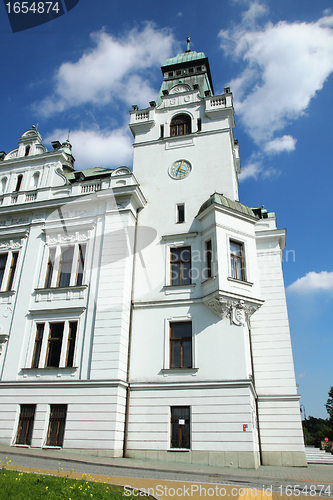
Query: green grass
[29, 486]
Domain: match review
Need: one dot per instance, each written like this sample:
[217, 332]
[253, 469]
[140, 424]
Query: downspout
[130, 338]
[256, 399]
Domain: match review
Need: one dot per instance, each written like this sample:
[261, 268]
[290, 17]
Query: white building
[146, 319]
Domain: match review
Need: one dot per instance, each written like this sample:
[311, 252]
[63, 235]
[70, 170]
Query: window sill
[6, 293]
[51, 368]
[51, 447]
[240, 282]
[17, 445]
[61, 289]
[179, 449]
[177, 289]
[179, 371]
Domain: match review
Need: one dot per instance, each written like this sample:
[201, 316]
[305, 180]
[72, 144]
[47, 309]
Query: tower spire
[188, 40]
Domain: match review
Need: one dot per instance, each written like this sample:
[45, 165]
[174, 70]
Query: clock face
[180, 169]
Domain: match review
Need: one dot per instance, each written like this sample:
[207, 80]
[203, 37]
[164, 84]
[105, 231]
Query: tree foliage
[329, 404]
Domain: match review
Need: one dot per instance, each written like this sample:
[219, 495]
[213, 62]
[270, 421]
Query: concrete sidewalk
[161, 479]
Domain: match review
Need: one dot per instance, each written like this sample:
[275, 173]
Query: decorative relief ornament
[237, 314]
[179, 88]
[238, 311]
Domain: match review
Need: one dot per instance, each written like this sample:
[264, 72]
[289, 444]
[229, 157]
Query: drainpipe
[129, 339]
[256, 399]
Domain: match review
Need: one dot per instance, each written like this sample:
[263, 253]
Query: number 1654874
[35, 7]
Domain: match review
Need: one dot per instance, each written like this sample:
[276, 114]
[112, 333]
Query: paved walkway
[171, 481]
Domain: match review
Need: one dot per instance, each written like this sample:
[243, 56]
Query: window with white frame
[237, 263]
[65, 266]
[54, 345]
[8, 263]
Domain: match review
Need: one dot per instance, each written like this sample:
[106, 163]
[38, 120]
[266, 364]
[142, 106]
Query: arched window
[3, 184]
[19, 182]
[180, 125]
[34, 181]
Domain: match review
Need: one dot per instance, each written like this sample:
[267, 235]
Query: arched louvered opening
[180, 125]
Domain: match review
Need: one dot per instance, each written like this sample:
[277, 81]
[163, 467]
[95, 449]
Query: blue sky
[84, 70]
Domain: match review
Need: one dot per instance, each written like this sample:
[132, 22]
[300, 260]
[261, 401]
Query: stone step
[316, 456]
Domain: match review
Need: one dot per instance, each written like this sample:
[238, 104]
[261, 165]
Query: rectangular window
[3, 261]
[237, 260]
[180, 213]
[199, 124]
[60, 340]
[181, 344]
[161, 131]
[26, 424]
[12, 270]
[71, 343]
[65, 266]
[54, 344]
[180, 427]
[208, 258]
[180, 263]
[49, 269]
[80, 265]
[56, 431]
[38, 345]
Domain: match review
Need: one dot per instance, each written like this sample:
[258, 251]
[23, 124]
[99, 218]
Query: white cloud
[96, 148]
[257, 167]
[114, 69]
[301, 375]
[286, 64]
[285, 143]
[312, 282]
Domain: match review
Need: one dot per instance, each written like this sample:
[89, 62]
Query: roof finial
[188, 39]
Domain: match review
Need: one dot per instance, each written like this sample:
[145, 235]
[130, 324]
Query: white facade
[146, 319]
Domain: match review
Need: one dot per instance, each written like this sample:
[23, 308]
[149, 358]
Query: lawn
[29, 486]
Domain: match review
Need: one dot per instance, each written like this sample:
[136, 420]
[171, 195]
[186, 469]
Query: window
[237, 260]
[161, 131]
[19, 182]
[54, 344]
[199, 124]
[170, 74]
[56, 431]
[8, 262]
[180, 263]
[208, 258]
[181, 344]
[34, 180]
[27, 151]
[57, 341]
[180, 216]
[71, 343]
[180, 125]
[12, 270]
[38, 345]
[65, 266]
[26, 423]
[180, 427]
[191, 70]
[3, 184]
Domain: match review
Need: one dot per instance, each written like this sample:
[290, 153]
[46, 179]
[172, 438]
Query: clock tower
[205, 376]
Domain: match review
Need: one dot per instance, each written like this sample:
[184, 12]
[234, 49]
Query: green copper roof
[223, 201]
[88, 174]
[185, 57]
